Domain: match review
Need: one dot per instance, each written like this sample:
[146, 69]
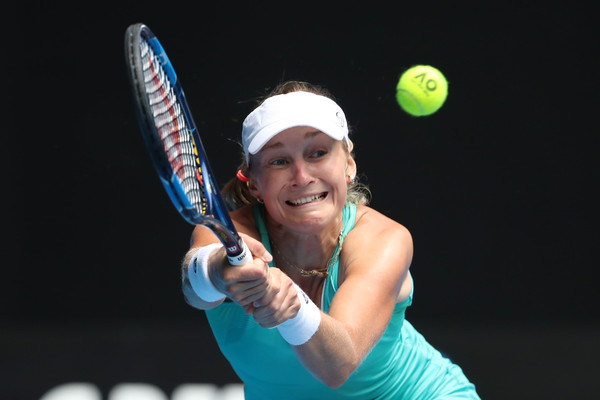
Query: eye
[318, 154]
[278, 162]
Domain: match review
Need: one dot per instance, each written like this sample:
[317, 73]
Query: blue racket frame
[214, 215]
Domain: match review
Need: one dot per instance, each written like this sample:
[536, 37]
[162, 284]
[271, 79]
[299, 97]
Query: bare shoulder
[376, 257]
[377, 234]
[370, 223]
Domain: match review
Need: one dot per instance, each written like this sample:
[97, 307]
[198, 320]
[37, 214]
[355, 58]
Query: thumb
[257, 249]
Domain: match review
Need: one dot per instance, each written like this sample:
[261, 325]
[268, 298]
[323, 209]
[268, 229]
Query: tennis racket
[173, 141]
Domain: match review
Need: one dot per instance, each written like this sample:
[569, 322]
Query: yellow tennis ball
[421, 90]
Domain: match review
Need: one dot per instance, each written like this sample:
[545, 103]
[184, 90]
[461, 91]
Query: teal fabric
[401, 366]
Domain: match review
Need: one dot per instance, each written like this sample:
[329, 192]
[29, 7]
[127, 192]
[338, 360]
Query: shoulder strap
[259, 221]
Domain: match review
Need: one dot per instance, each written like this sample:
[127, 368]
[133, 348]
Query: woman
[329, 273]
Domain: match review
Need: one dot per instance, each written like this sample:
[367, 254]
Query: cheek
[339, 178]
[265, 185]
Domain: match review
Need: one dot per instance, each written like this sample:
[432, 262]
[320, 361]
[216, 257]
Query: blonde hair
[236, 193]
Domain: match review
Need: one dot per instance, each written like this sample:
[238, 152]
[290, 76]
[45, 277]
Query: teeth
[307, 199]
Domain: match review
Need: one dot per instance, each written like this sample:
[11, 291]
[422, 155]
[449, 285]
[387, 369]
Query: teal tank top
[402, 365]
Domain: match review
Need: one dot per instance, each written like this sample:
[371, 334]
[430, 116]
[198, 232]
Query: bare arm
[374, 274]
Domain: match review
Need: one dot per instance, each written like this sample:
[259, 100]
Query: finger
[249, 309]
[265, 317]
[271, 291]
[257, 270]
[257, 248]
[247, 295]
[282, 308]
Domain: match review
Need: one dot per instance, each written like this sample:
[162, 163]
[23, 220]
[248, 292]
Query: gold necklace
[320, 272]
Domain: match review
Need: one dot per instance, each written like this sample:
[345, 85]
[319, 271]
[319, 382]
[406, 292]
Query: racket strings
[172, 128]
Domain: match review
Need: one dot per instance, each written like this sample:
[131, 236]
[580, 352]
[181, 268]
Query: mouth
[307, 199]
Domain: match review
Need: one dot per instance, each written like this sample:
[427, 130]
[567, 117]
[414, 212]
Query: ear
[253, 188]
[350, 169]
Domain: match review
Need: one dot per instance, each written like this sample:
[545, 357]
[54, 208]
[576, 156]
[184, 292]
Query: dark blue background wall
[498, 188]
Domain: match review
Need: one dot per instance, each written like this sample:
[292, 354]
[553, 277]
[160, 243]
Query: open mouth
[308, 199]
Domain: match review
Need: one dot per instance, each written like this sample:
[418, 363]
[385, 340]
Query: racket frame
[214, 213]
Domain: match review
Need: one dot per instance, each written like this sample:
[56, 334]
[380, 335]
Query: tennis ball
[421, 90]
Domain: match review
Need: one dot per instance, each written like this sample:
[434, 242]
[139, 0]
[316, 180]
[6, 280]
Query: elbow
[338, 376]
[335, 382]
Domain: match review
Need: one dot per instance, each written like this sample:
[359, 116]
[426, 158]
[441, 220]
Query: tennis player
[320, 312]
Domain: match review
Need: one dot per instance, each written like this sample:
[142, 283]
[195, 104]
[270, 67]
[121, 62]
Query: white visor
[289, 110]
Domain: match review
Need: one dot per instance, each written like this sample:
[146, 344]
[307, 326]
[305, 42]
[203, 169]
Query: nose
[302, 175]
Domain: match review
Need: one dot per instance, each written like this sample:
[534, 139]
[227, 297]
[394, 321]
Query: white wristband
[198, 274]
[302, 327]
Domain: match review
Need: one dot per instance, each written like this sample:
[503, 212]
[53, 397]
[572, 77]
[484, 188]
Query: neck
[312, 252]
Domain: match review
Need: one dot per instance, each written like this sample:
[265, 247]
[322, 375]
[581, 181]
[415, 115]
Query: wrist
[199, 276]
[305, 324]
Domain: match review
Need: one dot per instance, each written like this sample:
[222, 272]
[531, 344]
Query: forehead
[297, 134]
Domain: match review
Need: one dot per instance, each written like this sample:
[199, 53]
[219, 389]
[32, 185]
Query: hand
[246, 283]
[280, 302]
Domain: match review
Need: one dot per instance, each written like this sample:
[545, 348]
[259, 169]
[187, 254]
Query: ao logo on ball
[421, 90]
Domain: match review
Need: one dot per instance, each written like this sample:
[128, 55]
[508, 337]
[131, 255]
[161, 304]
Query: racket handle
[245, 257]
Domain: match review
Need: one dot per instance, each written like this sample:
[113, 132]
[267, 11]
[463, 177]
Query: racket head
[172, 138]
